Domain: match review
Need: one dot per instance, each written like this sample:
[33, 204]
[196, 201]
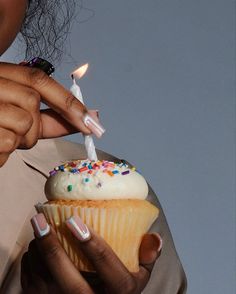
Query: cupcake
[109, 197]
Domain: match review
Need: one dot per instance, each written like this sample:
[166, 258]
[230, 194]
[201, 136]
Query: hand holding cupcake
[50, 260]
[109, 197]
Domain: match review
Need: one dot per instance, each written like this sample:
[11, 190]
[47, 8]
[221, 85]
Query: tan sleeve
[168, 276]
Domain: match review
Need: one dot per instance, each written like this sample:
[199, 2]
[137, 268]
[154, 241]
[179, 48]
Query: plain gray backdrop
[162, 74]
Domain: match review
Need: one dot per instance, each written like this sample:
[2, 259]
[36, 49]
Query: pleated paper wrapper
[121, 223]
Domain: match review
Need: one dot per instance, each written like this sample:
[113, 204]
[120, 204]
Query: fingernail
[40, 225]
[94, 126]
[157, 242]
[78, 228]
[94, 113]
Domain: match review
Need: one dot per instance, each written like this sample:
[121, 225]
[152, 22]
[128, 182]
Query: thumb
[150, 249]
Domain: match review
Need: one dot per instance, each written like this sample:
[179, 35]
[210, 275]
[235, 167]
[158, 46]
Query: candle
[75, 90]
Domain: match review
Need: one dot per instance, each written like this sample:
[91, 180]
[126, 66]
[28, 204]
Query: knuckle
[52, 252]
[33, 100]
[38, 77]
[129, 284]
[24, 124]
[101, 254]
[3, 159]
[4, 82]
[4, 107]
[69, 102]
[30, 142]
[8, 143]
[75, 288]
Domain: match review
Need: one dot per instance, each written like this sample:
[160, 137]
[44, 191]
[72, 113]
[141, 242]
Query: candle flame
[79, 72]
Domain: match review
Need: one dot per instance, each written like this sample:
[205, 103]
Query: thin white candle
[88, 140]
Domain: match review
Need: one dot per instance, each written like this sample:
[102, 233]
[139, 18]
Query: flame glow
[79, 72]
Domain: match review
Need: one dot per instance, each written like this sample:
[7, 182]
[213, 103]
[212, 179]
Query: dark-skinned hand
[46, 267]
[22, 122]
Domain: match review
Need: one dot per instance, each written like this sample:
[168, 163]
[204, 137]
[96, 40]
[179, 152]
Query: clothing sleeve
[168, 276]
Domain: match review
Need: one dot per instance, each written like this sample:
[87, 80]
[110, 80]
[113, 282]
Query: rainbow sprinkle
[52, 172]
[69, 188]
[125, 172]
[91, 168]
[115, 171]
[61, 167]
[110, 173]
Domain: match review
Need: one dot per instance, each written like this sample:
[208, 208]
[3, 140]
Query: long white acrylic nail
[40, 225]
[94, 126]
[78, 228]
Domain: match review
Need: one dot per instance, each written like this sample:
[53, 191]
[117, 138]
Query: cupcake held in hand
[109, 198]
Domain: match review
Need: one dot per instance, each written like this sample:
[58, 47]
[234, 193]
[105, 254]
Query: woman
[25, 160]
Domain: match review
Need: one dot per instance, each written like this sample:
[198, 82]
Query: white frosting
[106, 181]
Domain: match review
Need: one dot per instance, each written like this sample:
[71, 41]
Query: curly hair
[46, 27]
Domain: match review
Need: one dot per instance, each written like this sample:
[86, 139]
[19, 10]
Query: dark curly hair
[46, 27]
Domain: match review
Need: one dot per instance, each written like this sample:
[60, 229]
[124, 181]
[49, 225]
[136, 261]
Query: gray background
[162, 74]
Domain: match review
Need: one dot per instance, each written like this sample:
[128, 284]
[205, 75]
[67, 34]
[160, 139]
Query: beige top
[22, 181]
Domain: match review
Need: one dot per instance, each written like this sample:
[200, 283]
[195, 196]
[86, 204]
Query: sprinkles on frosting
[88, 168]
[79, 166]
[69, 188]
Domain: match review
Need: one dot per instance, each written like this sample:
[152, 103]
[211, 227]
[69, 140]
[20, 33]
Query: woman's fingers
[53, 125]
[54, 95]
[19, 112]
[108, 266]
[3, 158]
[116, 277]
[15, 99]
[35, 276]
[36, 263]
[149, 251]
[22, 123]
[25, 272]
[8, 143]
[15, 119]
[59, 265]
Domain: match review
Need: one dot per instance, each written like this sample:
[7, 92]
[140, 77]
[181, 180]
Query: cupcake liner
[121, 223]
